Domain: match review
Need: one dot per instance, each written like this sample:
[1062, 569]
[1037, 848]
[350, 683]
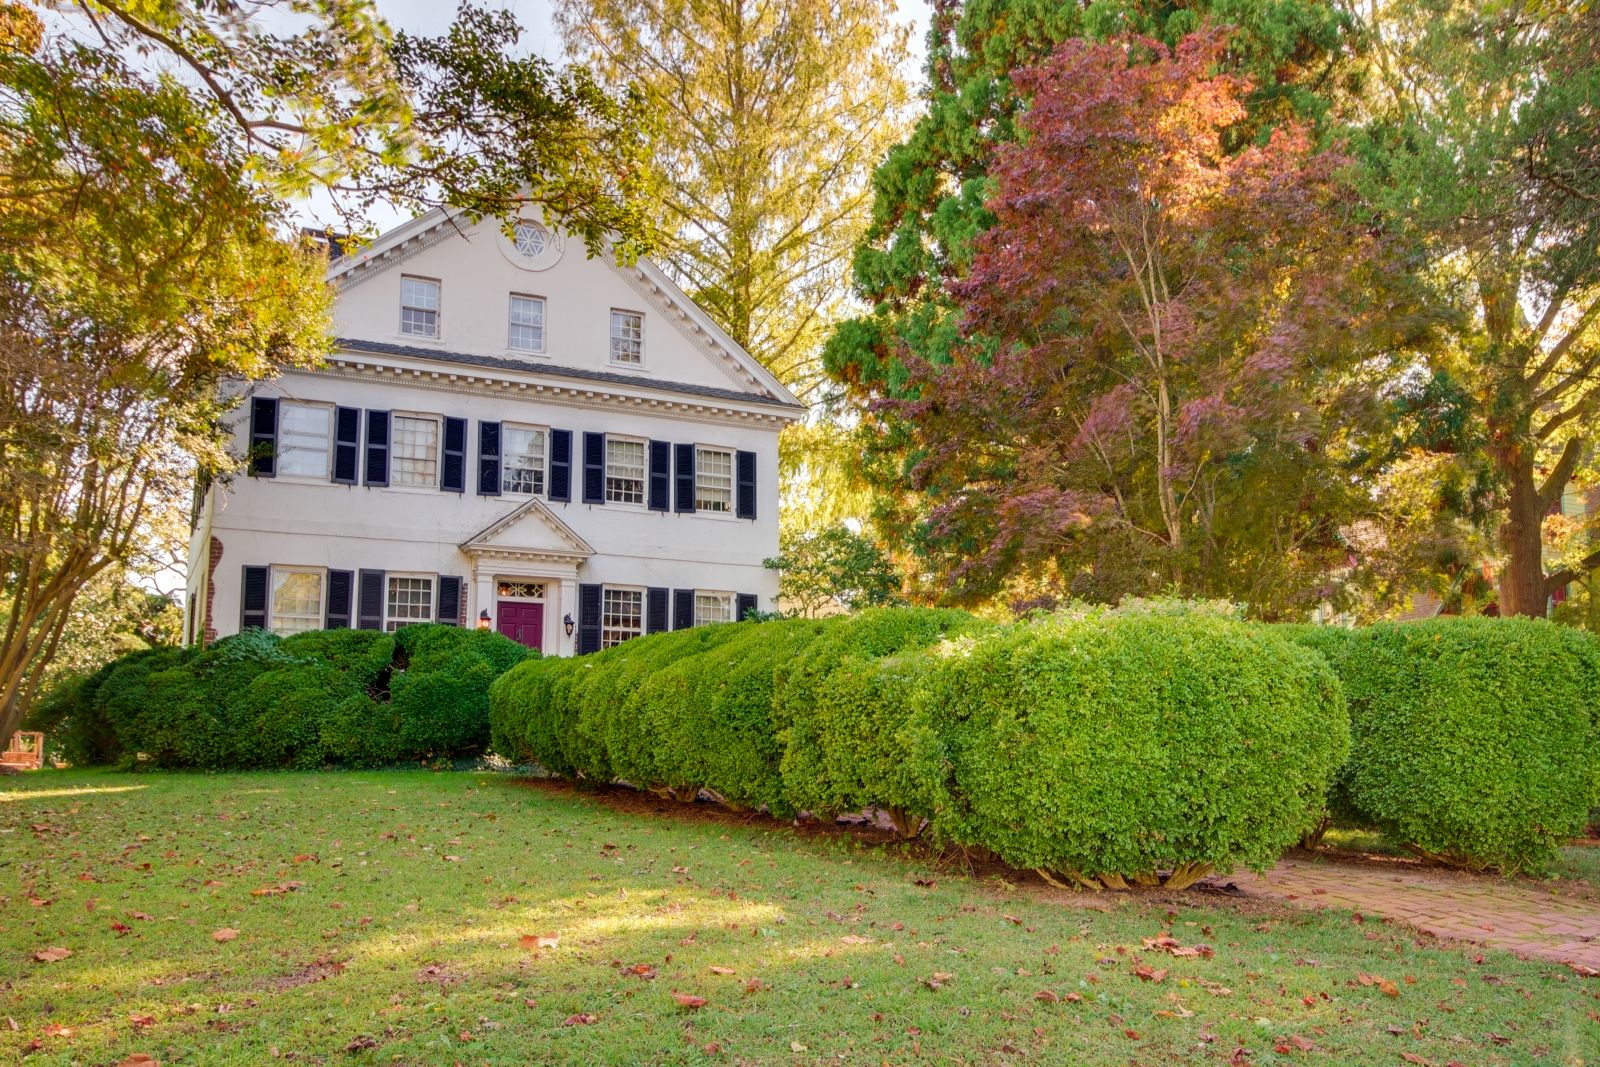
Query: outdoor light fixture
[567, 622]
[483, 619]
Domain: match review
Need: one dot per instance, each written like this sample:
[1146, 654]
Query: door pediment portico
[529, 532]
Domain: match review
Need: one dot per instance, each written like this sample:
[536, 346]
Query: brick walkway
[1519, 917]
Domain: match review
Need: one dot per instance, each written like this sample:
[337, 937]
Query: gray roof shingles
[351, 344]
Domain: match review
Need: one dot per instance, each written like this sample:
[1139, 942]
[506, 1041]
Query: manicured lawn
[381, 919]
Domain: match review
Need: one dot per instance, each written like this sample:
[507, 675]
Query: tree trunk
[1522, 581]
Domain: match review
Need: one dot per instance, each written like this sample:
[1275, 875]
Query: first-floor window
[410, 600]
[624, 471]
[296, 600]
[621, 615]
[523, 467]
[415, 451]
[305, 432]
[712, 607]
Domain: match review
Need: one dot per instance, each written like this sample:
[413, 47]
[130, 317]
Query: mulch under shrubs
[356, 697]
[1474, 741]
[1100, 750]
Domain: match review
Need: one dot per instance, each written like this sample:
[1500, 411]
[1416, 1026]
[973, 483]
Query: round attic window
[531, 239]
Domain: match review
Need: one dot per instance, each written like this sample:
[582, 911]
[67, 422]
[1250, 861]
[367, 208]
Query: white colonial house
[509, 434]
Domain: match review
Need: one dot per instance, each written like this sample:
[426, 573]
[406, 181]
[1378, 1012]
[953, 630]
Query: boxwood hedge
[1473, 740]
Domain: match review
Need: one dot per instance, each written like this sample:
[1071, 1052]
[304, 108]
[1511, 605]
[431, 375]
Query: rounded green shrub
[839, 722]
[439, 687]
[1473, 740]
[525, 727]
[1111, 748]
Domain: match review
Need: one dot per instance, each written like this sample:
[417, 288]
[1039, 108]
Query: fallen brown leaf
[689, 1000]
[53, 954]
[583, 1018]
[227, 933]
[721, 970]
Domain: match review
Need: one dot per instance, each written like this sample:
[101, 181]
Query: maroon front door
[523, 623]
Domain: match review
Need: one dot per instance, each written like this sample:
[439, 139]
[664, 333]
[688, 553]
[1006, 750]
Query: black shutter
[656, 610]
[253, 598]
[682, 609]
[346, 445]
[685, 463]
[560, 465]
[588, 619]
[745, 477]
[453, 469]
[660, 476]
[370, 597]
[594, 468]
[488, 459]
[340, 587]
[450, 603]
[377, 448]
[743, 604]
[263, 436]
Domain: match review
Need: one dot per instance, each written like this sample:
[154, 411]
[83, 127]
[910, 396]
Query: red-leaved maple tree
[1160, 334]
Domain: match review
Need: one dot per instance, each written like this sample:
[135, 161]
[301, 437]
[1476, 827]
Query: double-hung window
[419, 306]
[713, 479]
[624, 470]
[712, 607]
[304, 433]
[296, 600]
[409, 600]
[522, 469]
[526, 331]
[621, 615]
[627, 337]
[415, 452]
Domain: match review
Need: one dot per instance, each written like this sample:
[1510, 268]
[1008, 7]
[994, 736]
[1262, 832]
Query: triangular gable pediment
[529, 529]
[644, 278]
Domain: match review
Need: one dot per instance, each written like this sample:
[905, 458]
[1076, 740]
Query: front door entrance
[522, 622]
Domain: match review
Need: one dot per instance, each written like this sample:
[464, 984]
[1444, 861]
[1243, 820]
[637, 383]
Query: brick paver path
[1520, 917]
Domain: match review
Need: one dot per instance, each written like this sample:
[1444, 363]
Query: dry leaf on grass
[227, 933]
[721, 970]
[688, 1000]
[53, 954]
[583, 1018]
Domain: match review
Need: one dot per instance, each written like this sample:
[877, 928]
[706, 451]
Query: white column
[566, 604]
[482, 597]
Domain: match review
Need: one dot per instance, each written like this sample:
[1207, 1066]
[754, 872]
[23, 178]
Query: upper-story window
[296, 600]
[530, 239]
[624, 471]
[522, 470]
[415, 452]
[304, 439]
[627, 337]
[419, 306]
[712, 607]
[526, 332]
[713, 479]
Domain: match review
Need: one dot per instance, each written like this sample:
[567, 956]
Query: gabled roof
[544, 535]
[436, 225]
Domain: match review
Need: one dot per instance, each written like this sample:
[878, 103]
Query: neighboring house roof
[354, 344]
[430, 228]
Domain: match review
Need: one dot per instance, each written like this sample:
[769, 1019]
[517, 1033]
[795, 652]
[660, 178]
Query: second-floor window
[627, 337]
[415, 452]
[624, 471]
[419, 306]
[713, 480]
[523, 467]
[526, 332]
[304, 433]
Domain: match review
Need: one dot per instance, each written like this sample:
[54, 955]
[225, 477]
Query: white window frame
[394, 449]
[390, 622]
[615, 338]
[284, 406]
[512, 323]
[726, 614]
[701, 479]
[273, 614]
[543, 470]
[644, 470]
[611, 636]
[437, 309]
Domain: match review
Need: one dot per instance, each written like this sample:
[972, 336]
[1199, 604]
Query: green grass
[402, 943]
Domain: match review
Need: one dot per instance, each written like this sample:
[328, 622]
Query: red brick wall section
[214, 557]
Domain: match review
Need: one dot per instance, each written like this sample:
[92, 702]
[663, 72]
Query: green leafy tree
[1480, 142]
[820, 572]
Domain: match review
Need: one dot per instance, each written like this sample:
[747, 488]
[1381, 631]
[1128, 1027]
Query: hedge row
[356, 697]
[1097, 749]
[1474, 741]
